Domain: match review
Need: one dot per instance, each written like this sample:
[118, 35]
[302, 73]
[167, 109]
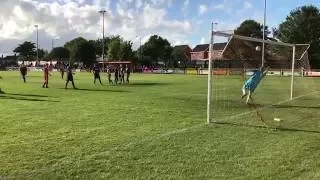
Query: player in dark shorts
[62, 69]
[109, 75]
[128, 73]
[122, 74]
[70, 78]
[116, 75]
[23, 72]
[96, 74]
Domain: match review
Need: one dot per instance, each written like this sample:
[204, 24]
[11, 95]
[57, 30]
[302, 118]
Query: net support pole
[210, 78]
[292, 71]
[264, 32]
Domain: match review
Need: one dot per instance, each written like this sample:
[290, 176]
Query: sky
[180, 21]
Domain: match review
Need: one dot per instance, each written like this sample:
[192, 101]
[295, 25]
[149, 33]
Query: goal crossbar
[245, 38]
[223, 34]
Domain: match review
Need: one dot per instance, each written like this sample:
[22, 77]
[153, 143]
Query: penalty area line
[178, 131]
[156, 137]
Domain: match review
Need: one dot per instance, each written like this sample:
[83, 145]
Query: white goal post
[213, 56]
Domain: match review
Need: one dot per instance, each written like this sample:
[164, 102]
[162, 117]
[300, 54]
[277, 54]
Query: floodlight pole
[264, 32]
[53, 39]
[140, 52]
[37, 27]
[292, 71]
[103, 12]
[210, 77]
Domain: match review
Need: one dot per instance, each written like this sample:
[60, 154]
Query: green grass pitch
[155, 128]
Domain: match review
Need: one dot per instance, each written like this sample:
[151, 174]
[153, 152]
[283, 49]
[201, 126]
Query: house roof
[182, 46]
[201, 47]
[205, 47]
[219, 46]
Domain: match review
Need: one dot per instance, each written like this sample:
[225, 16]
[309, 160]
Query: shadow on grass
[28, 95]
[144, 84]
[296, 106]
[95, 90]
[264, 127]
[4, 96]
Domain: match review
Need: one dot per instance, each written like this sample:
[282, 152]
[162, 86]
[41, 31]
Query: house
[200, 54]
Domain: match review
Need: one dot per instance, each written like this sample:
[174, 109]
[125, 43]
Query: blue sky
[180, 21]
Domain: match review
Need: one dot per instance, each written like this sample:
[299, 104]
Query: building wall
[199, 55]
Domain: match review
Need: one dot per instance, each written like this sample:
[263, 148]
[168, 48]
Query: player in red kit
[46, 76]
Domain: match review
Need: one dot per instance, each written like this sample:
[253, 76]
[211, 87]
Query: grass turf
[155, 128]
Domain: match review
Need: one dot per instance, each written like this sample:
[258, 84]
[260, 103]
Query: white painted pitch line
[172, 132]
[195, 126]
[204, 124]
[235, 116]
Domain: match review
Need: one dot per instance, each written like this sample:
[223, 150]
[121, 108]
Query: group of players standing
[121, 74]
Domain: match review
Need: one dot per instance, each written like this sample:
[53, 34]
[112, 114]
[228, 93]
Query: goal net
[282, 97]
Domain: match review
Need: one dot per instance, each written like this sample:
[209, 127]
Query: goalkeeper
[252, 83]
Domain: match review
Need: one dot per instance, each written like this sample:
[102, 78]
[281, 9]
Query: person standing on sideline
[46, 75]
[121, 72]
[23, 72]
[109, 75]
[128, 71]
[70, 78]
[116, 75]
[62, 69]
[96, 73]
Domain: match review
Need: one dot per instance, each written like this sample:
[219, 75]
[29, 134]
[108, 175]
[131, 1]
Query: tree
[98, 45]
[60, 53]
[179, 55]
[156, 49]
[114, 49]
[167, 58]
[27, 50]
[42, 53]
[82, 50]
[247, 51]
[73, 47]
[86, 53]
[302, 25]
[251, 28]
[125, 51]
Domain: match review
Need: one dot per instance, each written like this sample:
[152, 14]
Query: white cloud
[225, 6]
[202, 9]
[72, 18]
[247, 5]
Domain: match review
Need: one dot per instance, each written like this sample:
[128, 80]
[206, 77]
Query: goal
[285, 82]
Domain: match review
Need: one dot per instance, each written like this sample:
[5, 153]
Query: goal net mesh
[271, 104]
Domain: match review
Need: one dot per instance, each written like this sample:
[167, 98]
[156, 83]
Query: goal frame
[230, 37]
